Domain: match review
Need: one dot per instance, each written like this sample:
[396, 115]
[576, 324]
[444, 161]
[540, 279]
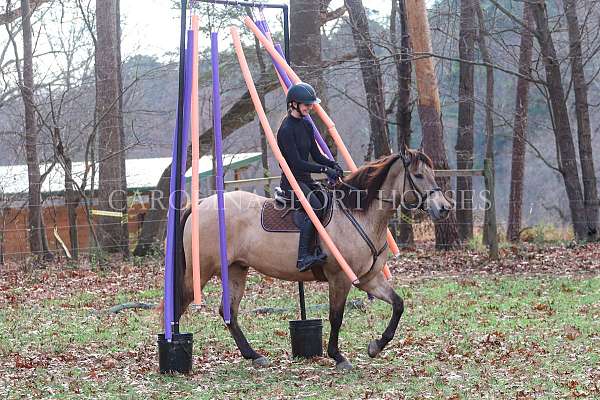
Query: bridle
[422, 197]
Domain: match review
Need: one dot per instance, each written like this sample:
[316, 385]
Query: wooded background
[506, 85]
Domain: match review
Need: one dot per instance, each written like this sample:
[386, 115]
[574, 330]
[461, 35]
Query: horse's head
[405, 179]
[418, 185]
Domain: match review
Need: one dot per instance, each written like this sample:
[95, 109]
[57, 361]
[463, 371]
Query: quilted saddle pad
[276, 218]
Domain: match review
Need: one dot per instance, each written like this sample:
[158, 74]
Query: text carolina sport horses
[369, 195]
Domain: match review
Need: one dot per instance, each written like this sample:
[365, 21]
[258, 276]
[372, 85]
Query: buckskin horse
[366, 200]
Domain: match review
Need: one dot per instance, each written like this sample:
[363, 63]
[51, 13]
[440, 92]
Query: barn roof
[142, 173]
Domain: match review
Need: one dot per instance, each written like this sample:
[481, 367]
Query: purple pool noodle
[169, 283]
[219, 176]
[262, 25]
[319, 138]
[278, 67]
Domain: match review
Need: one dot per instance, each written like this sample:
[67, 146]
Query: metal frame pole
[286, 38]
[286, 52]
[253, 4]
[177, 199]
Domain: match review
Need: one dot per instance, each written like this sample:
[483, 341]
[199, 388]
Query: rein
[374, 252]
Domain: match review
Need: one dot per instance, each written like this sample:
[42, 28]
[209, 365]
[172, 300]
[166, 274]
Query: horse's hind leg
[381, 289]
[237, 285]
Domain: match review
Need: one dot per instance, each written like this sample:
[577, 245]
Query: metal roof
[142, 173]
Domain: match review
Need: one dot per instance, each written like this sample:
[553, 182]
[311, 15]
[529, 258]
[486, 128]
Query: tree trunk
[264, 157]
[588, 175]
[261, 95]
[122, 157]
[305, 53]
[72, 196]
[520, 128]
[403, 113]
[567, 162]
[241, 113]
[2, 230]
[72, 202]
[446, 235]
[371, 75]
[466, 117]
[490, 228]
[112, 193]
[35, 223]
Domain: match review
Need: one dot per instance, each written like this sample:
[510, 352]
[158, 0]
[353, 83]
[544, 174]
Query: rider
[296, 141]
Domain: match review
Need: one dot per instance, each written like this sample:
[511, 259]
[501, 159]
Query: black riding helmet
[302, 93]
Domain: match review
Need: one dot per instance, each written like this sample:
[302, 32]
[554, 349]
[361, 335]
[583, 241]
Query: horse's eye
[419, 176]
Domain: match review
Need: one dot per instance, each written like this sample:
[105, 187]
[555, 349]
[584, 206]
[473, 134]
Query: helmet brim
[316, 101]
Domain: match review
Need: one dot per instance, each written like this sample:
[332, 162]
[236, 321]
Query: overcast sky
[154, 27]
[150, 27]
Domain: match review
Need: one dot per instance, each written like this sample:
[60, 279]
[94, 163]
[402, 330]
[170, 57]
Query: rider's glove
[332, 173]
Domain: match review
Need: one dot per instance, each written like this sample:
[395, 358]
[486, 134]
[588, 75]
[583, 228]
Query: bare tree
[121, 157]
[72, 198]
[371, 75]
[112, 191]
[560, 120]
[466, 118]
[403, 66]
[490, 231]
[584, 130]
[37, 235]
[520, 128]
[446, 234]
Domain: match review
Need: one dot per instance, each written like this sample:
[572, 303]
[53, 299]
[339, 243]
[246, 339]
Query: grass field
[474, 330]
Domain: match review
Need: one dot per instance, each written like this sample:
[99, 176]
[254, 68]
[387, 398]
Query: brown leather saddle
[279, 215]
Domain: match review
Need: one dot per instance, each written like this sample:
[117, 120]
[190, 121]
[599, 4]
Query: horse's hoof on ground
[261, 362]
[374, 349]
[343, 366]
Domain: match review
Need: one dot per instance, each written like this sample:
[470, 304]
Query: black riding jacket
[296, 140]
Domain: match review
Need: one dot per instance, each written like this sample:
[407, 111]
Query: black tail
[181, 265]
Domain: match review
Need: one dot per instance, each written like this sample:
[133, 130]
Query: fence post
[490, 227]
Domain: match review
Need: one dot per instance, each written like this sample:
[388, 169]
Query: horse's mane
[369, 178]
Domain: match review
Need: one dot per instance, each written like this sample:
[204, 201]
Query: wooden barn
[142, 176]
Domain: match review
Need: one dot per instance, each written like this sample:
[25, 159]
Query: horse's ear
[406, 155]
[404, 149]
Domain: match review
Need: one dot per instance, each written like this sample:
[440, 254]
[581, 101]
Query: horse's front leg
[339, 286]
[381, 289]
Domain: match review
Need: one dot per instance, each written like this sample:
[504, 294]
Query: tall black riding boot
[307, 260]
[318, 251]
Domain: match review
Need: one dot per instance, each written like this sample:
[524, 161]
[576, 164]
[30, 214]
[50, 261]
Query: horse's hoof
[261, 361]
[343, 366]
[374, 349]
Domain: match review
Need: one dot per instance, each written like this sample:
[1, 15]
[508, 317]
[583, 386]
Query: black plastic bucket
[176, 355]
[307, 337]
